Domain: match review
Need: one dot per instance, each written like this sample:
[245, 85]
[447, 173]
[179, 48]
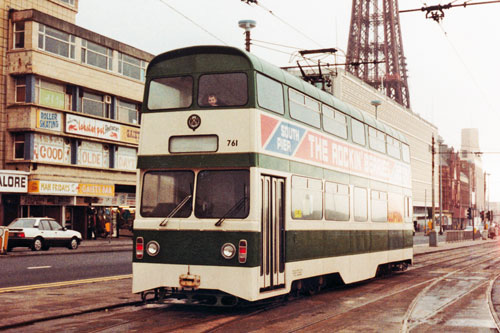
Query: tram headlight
[153, 248]
[228, 251]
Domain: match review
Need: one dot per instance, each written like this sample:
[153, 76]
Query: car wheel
[37, 244]
[45, 247]
[73, 244]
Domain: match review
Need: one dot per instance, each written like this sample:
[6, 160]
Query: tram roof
[273, 71]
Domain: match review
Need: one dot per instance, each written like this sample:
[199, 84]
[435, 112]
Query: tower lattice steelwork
[375, 48]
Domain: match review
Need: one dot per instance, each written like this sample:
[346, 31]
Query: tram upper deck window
[304, 108]
[405, 149]
[334, 122]
[170, 93]
[165, 191]
[223, 90]
[270, 94]
[232, 199]
[358, 132]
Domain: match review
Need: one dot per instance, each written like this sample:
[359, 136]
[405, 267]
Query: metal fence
[461, 235]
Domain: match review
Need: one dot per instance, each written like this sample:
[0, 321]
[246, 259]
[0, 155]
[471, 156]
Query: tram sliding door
[272, 268]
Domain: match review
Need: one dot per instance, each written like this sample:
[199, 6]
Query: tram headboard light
[228, 251]
[152, 248]
[139, 247]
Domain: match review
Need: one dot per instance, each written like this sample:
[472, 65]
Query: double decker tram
[253, 183]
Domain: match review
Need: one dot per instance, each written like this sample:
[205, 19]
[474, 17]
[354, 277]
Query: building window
[19, 146]
[55, 41]
[97, 55]
[19, 35]
[131, 67]
[95, 105]
[405, 149]
[51, 94]
[69, 2]
[127, 112]
[304, 108]
[21, 89]
[307, 198]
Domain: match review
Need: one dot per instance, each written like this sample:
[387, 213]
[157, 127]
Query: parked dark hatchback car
[40, 233]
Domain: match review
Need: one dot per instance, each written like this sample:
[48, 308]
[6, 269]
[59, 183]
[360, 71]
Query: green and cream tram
[253, 183]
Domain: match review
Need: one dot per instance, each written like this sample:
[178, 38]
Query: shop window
[304, 108]
[131, 67]
[379, 206]
[19, 146]
[55, 41]
[21, 89]
[97, 55]
[19, 35]
[334, 122]
[307, 198]
[95, 104]
[128, 112]
[336, 202]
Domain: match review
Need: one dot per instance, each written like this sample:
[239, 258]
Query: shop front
[12, 185]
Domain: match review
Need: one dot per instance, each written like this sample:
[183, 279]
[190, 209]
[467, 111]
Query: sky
[453, 66]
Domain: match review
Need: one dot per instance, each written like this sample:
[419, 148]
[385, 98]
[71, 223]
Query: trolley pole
[432, 233]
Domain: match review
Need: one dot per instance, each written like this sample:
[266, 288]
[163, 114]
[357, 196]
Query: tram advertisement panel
[281, 137]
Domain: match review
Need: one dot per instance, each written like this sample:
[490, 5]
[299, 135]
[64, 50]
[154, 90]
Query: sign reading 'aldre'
[13, 181]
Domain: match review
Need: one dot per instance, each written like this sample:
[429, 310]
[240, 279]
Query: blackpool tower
[375, 48]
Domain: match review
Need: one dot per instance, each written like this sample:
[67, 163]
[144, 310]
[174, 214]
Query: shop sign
[92, 127]
[13, 182]
[49, 187]
[93, 154]
[126, 158]
[52, 98]
[130, 134]
[65, 188]
[49, 120]
[49, 148]
[40, 200]
[97, 190]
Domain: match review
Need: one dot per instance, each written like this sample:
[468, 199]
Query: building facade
[69, 116]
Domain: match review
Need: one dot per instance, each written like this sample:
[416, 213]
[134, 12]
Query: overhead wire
[284, 22]
[192, 21]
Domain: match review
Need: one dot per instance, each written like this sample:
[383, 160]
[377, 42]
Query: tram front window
[222, 193]
[164, 191]
[170, 93]
[216, 90]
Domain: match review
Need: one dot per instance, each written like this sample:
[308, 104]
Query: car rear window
[22, 223]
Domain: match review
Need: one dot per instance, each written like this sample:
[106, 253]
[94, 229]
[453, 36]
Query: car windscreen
[22, 223]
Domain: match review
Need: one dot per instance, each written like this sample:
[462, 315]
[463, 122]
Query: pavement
[123, 243]
[24, 305]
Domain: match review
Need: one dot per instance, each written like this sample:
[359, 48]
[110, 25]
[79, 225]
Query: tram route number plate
[189, 281]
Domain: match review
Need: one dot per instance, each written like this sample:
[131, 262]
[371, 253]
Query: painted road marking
[39, 267]
[65, 283]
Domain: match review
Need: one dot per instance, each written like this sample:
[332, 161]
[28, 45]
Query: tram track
[329, 307]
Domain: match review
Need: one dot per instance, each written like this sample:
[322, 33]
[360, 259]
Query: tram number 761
[232, 143]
